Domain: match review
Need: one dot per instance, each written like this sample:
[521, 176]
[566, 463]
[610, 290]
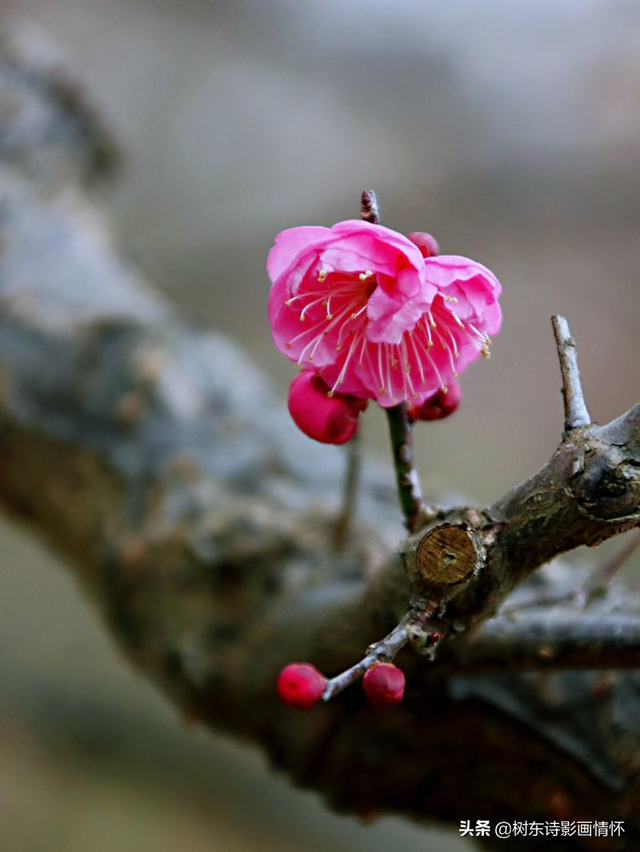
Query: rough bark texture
[204, 534]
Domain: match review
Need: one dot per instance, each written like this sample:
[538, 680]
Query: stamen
[303, 333]
[310, 305]
[364, 344]
[341, 376]
[406, 379]
[436, 371]
[389, 378]
[323, 334]
[304, 295]
[456, 318]
[425, 328]
[380, 373]
[453, 341]
[484, 339]
[366, 274]
[418, 359]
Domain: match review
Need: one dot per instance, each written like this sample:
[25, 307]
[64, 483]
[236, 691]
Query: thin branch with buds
[383, 651]
[575, 408]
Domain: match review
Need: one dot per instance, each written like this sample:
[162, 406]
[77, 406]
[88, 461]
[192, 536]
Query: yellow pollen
[329, 316]
[432, 323]
[366, 274]
[288, 303]
[444, 389]
[322, 275]
[407, 368]
[485, 352]
[330, 394]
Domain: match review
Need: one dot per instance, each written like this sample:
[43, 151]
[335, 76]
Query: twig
[369, 210]
[596, 585]
[350, 493]
[575, 409]
[600, 580]
[380, 652]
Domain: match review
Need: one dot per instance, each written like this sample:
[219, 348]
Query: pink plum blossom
[377, 315]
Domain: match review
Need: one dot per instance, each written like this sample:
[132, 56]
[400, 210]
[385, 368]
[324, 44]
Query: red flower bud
[438, 406]
[325, 417]
[384, 684]
[426, 243]
[300, 685]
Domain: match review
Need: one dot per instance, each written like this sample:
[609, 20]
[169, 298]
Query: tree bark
[156, 459]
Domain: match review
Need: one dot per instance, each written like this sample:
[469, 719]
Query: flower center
[334, 309]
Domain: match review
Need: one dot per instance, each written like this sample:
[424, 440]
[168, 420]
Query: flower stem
[414, 508]
[349, 494]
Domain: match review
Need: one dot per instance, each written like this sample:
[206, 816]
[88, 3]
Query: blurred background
[510, 131]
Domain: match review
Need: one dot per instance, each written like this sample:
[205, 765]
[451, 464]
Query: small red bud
[384, 684]
[325, 417]
[438, 406]
[300, 685]
[426, 243]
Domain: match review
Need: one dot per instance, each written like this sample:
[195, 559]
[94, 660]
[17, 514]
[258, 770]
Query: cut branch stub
[447, 556]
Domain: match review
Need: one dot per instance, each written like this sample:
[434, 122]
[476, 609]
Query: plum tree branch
[204, 535]
[575, 408]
